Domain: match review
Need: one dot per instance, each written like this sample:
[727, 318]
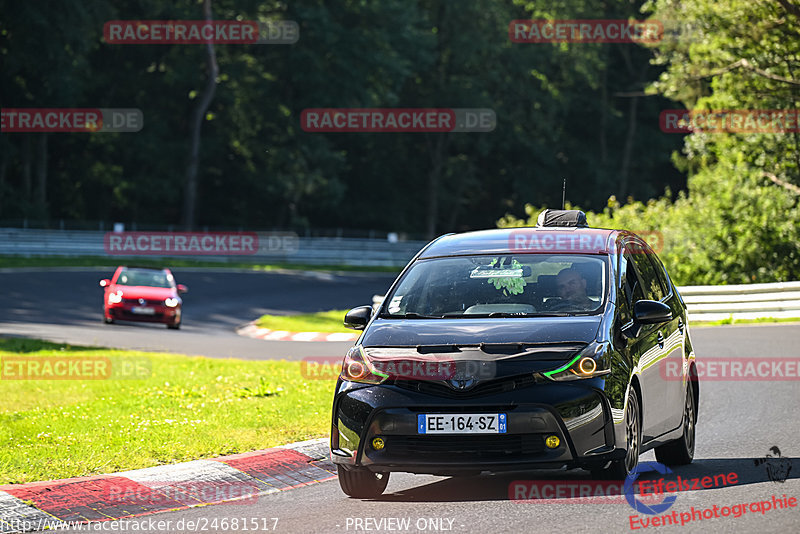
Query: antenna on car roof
[564, 195]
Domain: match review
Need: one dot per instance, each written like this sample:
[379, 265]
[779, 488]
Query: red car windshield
[145, 277]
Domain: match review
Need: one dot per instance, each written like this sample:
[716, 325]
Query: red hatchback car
[140, 294]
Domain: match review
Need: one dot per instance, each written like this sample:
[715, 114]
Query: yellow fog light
[587, 366]
[378, 443]
[552, 442]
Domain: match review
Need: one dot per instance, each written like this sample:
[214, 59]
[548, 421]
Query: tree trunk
[626, 153]
[190, 184]
[436, 150]
[41, 177]
[3, 166]
[26, 171]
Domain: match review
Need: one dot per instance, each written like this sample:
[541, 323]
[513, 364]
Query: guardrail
[305, 250]
[746, 301]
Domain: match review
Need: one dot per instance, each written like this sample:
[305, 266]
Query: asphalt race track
[65, 305]
[739, 421]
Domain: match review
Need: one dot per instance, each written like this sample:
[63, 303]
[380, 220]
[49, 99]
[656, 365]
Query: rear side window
[651, 285]
[661, 273]
[632, 287]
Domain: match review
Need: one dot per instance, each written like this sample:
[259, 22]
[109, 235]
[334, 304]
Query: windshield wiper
[410, 315]
[495, 315]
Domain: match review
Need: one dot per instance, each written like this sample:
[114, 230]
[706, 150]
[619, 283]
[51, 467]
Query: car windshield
[145, 277]
[500, 286]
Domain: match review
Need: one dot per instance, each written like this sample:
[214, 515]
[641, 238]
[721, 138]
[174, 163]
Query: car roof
[528, 239]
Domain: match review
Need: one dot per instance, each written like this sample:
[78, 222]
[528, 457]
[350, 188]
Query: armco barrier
[746, 301]
[309, 250]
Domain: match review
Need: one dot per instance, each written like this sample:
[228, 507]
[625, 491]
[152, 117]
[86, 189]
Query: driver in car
[571, 287]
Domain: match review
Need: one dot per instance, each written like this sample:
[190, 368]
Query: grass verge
[174, 263]
[186, 409]
[328, 321]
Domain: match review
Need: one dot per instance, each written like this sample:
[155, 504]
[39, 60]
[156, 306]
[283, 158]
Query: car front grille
[147, 302]
[492, 387]
[494, 447]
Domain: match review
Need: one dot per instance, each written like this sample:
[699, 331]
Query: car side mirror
[105, 282]
[182, 288]
[357, 318]
[651, 312]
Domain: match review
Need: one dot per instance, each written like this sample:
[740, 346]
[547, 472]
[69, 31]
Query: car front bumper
[161, 314]
[579, 415]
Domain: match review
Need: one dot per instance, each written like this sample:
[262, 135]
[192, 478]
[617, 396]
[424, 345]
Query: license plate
[143, 311]
[461, 423]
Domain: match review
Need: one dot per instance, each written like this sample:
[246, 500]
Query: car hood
[483, 349]
[145, 292]
[525, 330]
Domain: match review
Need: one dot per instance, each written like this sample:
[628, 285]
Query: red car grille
[143, 302]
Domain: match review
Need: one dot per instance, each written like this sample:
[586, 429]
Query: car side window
[623, 305]
[632, 284]
[651, 285]
[661, 273]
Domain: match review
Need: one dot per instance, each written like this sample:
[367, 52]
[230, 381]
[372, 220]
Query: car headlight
[358, 368]
[171, 302]
[115, 298]
[589, 363]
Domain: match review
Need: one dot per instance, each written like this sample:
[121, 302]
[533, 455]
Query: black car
[515, 349]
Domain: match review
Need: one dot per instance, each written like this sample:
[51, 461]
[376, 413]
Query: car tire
[362, 483]
[108, 320]
[174, 326]
[681, 451]
[620, 469]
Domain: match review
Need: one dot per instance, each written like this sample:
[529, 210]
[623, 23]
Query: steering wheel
[561, 305]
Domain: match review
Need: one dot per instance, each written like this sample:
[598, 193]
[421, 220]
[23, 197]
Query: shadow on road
[496, 487]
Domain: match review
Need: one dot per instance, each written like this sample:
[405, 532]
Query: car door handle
[660, 341]
[680, 325]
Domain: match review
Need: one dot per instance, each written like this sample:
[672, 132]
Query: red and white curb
[236, 479]
[251, 330]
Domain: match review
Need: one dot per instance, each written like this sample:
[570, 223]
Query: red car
[141, 294]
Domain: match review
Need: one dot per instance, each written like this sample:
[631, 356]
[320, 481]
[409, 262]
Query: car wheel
[362, 483]
[174, 326]
[108, 320]
[620, 469]
[681, 451]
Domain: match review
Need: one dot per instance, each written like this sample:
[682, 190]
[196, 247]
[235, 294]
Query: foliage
[739, 221]
[555, 105]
